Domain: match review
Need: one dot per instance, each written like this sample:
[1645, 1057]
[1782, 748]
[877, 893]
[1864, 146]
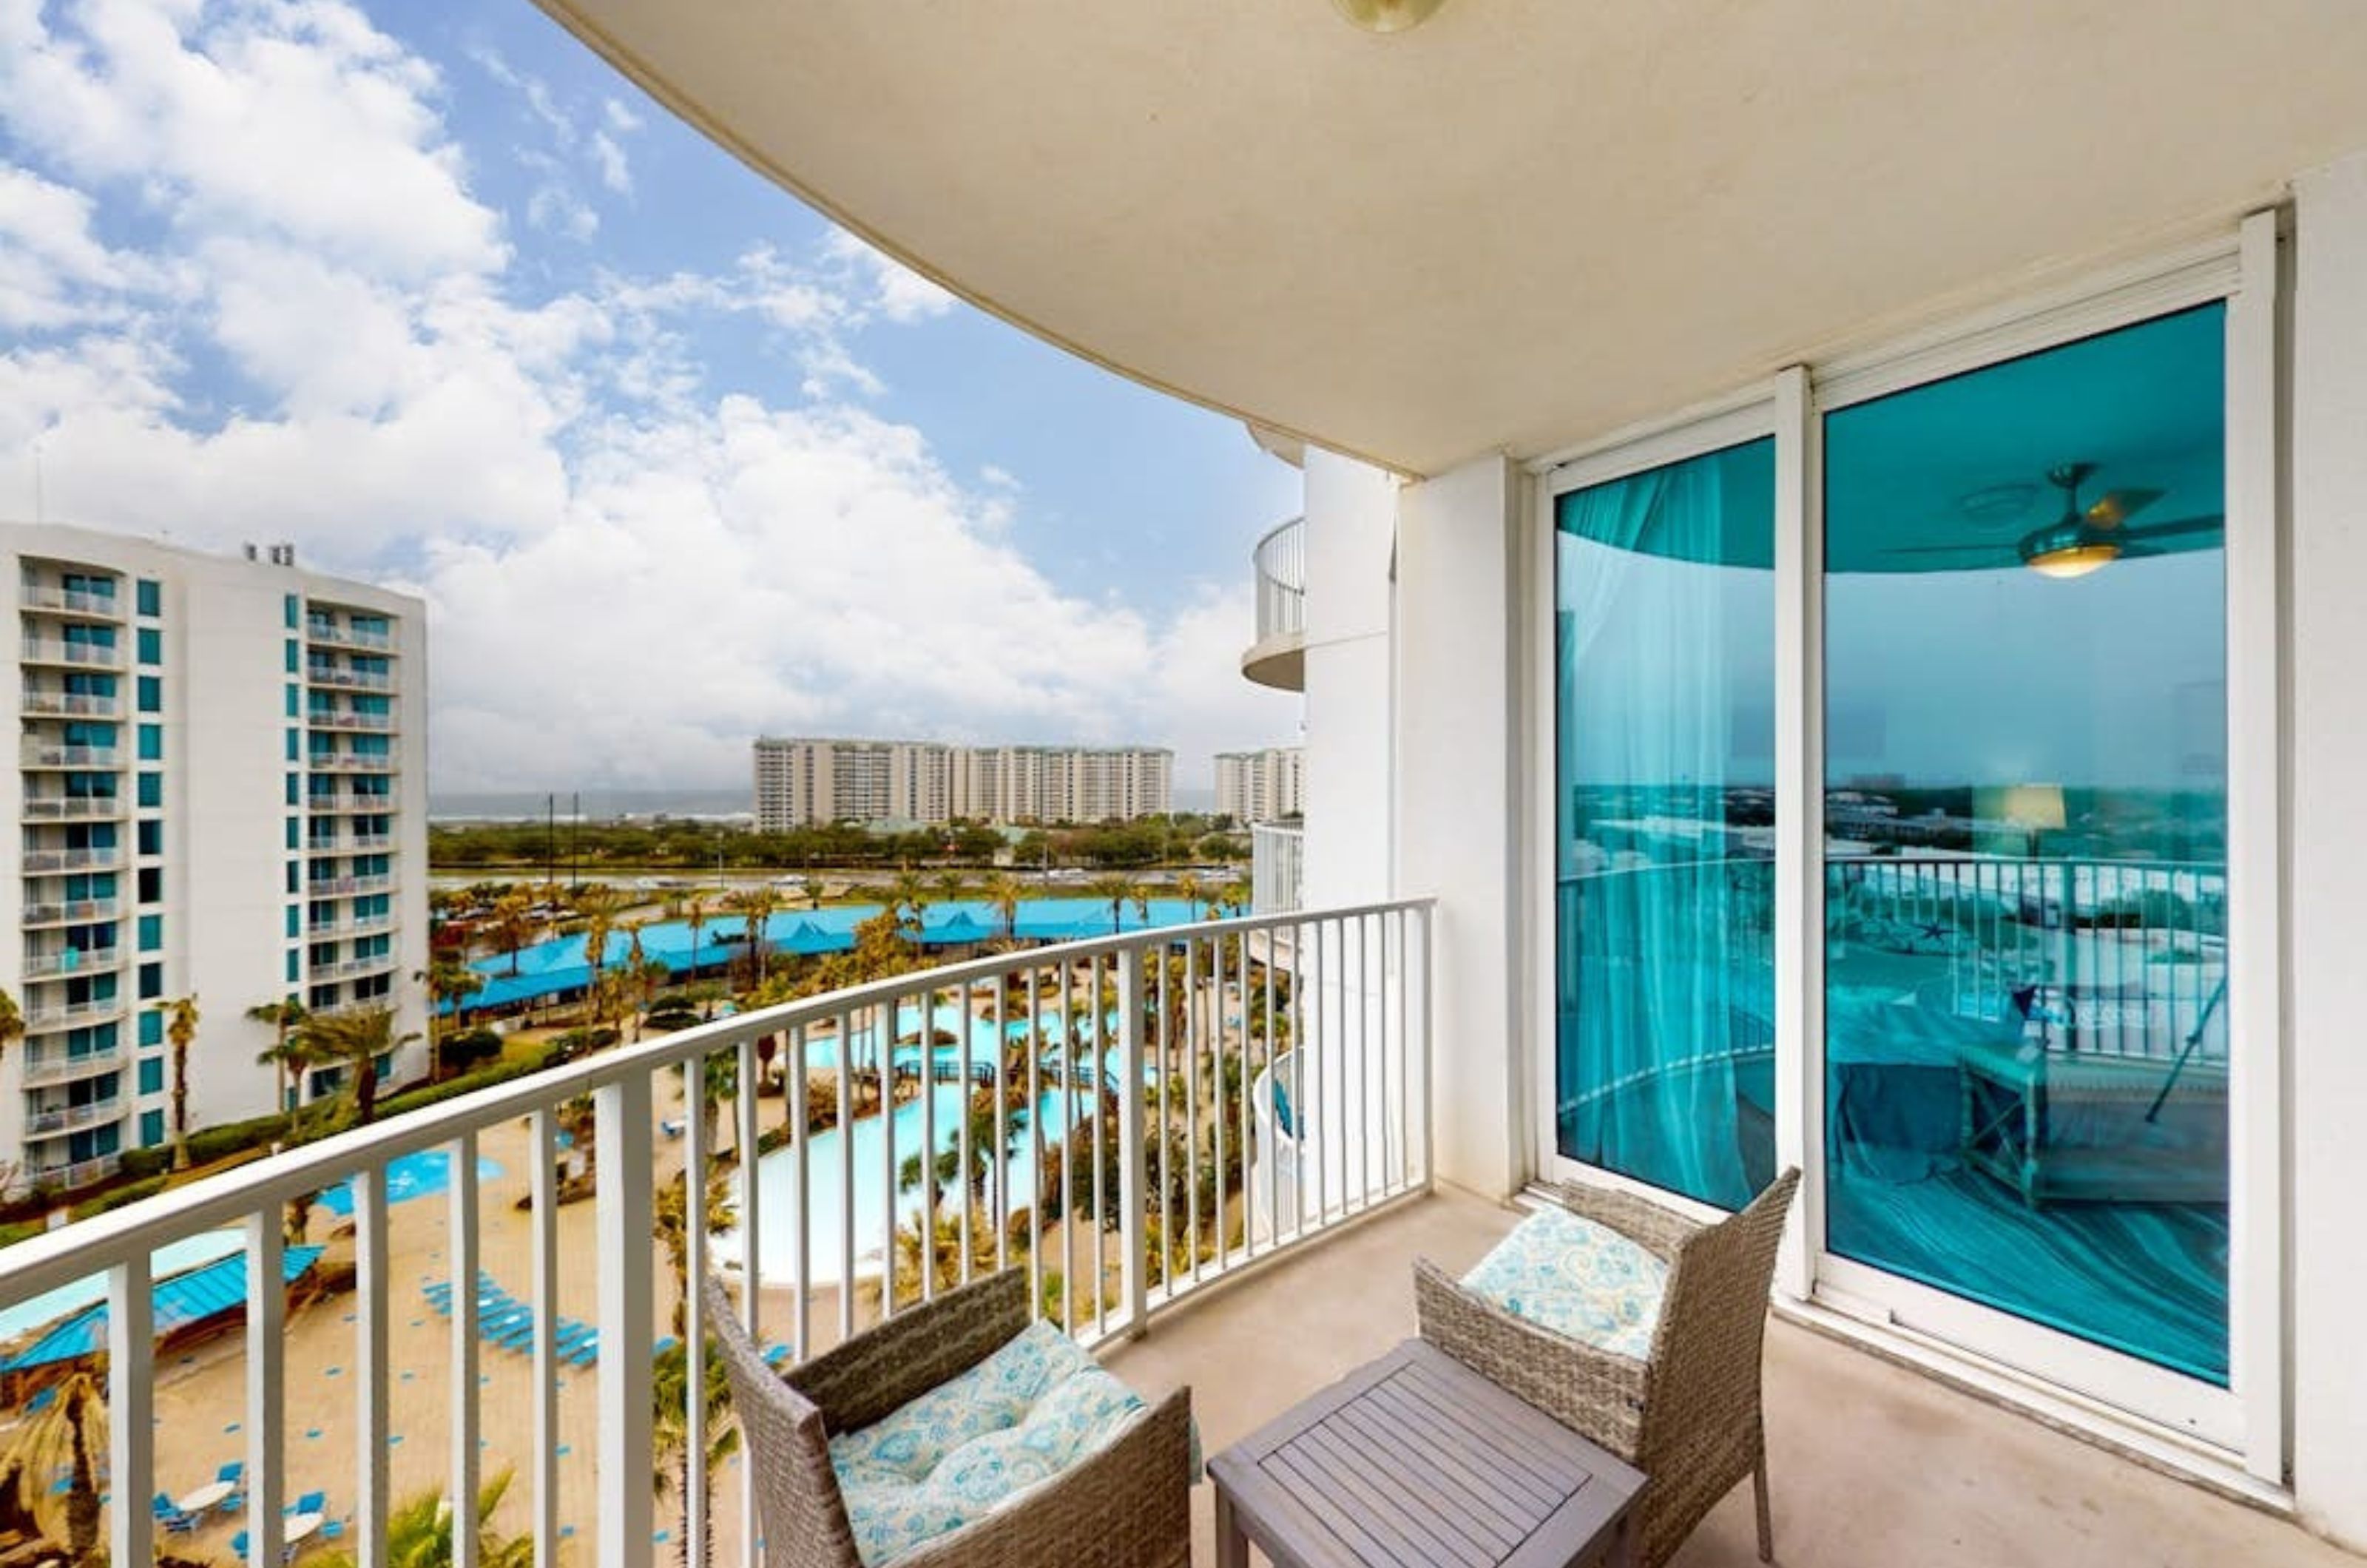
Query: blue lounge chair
[310, 1503]
[169, 1515]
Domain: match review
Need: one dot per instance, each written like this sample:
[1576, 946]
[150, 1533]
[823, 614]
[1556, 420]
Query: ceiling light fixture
[1387, 15]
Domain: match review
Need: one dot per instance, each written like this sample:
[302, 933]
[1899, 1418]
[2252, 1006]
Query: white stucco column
[1350, 526]
[2327, 1011]
[1458, 804]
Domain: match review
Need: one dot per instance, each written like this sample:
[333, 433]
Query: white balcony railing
[81, 1173]
[330, 635]
[352, 761]
[331, 801]
[72, 1118]
[1276, 659]
[69, 705]
[349, 680]
[1148, 1061]
[69, 601]
[344, 886]
[374, 723]
[40, 862]
[71, 961]
[54, 754]
[347, 968]
[73, 912]
[92, 655]
[73, 808]
[43, 1016]
[49, 1066]
[1276, 855]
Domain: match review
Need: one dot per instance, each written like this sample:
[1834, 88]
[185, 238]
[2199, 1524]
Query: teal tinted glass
[1664, 703]
[151, 597]
[2026, 1037]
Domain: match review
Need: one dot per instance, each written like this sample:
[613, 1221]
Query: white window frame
[2244, 1427]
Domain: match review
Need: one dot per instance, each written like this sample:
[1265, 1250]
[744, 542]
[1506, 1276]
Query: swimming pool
[420, 1175]
[776, 1235]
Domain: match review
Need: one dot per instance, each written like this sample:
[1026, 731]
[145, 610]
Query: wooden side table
[1417, 1461]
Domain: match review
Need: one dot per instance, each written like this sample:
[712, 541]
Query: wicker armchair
[1130, 1504]
[1688, 1416]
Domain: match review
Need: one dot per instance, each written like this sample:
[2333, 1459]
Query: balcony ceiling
[1527, 221]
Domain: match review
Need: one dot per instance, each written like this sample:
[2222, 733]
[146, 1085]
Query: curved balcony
[59, 1065]
[1278, 658]
[81, 655]
[71, 961]
[69, 1118]
[69, 704]
[59, 600]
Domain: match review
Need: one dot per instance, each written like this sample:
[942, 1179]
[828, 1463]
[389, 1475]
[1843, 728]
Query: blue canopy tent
[180, 1302]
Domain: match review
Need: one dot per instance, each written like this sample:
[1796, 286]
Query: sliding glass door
[1999, 1017]
[2026, 1044]
[1664, 812]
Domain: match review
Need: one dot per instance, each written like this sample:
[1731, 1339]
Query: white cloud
[628, 575]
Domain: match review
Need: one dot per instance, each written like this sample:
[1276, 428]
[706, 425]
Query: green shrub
[208, 1145]
[470, 1047]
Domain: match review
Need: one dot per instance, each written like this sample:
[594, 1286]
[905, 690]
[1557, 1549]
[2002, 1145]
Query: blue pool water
[420, 1175]
[777, 1237]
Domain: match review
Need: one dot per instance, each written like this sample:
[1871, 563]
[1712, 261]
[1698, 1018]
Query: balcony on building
[1278, 657]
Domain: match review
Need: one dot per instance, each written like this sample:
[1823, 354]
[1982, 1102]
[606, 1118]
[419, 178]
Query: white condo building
[1262, 786]
[801, 781]
[221, 794]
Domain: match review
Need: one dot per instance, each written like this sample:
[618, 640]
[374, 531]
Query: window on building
[151, 742]
[295, 967]
[151, 645]
[290, 610]
[151, 596]
[151, 885]
[152, 1029]
[152, 1075]
[152, 1129]
[151, 790]
[152, 933]
[152, 694]
[152, 838]
[152, 982]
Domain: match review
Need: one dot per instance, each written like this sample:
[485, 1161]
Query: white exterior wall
[1458, 805]
[224, 819]
[1351, 532]
[2327, 845]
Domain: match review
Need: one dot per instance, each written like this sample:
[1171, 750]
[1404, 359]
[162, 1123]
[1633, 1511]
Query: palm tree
[1188, 887]
[513, 924]
[813, 889]
[356, 1040]
[284, 1057]
[180, 1031]
[1005, 892]
[1114, 891]
[419, 1533]
[950, 1174]
[952, 886]
[755, 906]
[693, 909]
[599, 905]
[448, 980]
[68, 1435]
[908, 898]
[12, 1023]
[671, 1374]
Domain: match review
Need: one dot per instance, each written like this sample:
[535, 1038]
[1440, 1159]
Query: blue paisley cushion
[1027, 1412]
[1577, 1278]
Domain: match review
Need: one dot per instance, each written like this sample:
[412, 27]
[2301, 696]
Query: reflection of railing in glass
[2125, 959]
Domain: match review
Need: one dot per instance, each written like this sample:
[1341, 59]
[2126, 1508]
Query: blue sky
[431, 293]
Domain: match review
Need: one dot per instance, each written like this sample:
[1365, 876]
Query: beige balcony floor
[1873, 1465]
